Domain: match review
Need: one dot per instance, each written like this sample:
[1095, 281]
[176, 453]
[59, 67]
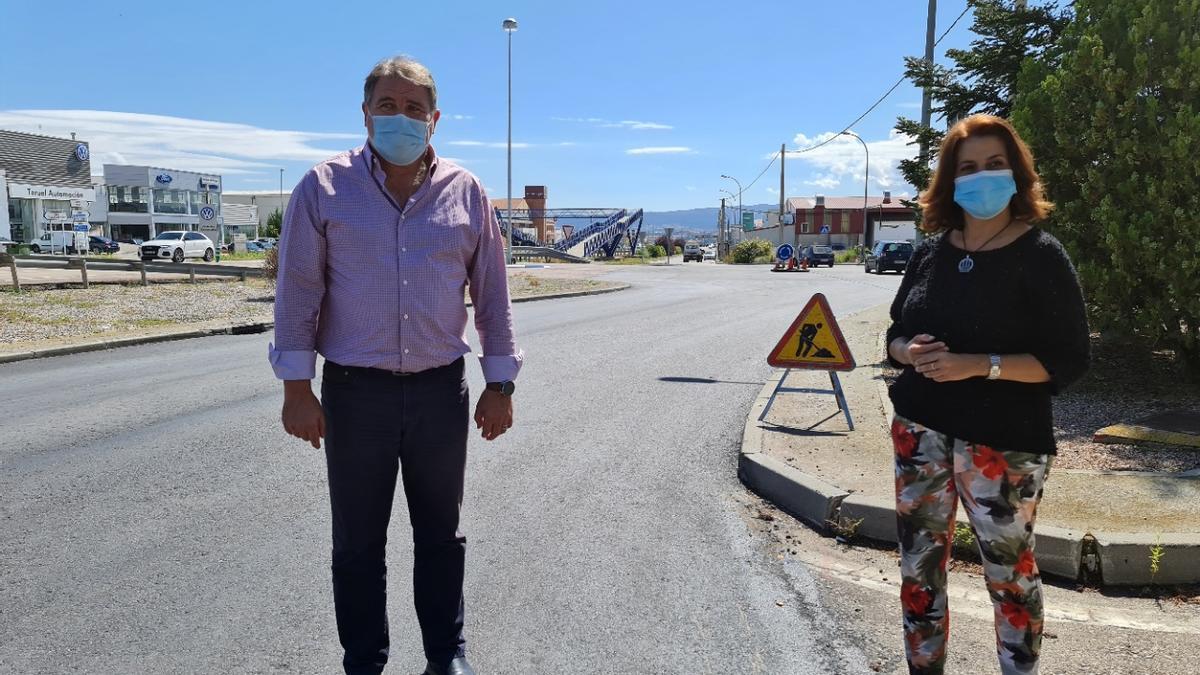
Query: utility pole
[721, 238]
[926, 99]
[782, 192]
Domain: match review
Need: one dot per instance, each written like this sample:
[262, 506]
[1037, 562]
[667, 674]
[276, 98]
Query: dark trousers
[376, 423]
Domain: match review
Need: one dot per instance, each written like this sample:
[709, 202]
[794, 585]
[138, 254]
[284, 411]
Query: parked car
[710, 253]
[888, 255]
[102, 245]
[253, 246]
[817, 255]
[175, 246]
[54, 241]
[268, 242]
[691, 251]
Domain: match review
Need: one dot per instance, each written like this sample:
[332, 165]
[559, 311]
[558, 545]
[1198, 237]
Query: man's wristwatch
[994, 373]
[506, 387]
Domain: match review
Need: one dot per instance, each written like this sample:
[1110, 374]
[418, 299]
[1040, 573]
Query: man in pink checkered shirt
[377, 248]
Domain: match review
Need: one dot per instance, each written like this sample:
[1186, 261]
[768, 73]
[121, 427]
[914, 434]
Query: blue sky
[630, 104]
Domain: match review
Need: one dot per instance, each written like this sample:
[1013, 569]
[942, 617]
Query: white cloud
[841, 160]
[462, 117]
[482, 144]
[179, 142]
[623, 124]
[659, 150]
[774, 191]
[689, 188]
[910, 105]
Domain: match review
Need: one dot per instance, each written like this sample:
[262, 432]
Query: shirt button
[404, 249]
[405, 351]
[406, 316]
[406, 282]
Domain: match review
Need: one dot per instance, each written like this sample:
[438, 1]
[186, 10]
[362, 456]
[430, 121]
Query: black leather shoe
[458, 666]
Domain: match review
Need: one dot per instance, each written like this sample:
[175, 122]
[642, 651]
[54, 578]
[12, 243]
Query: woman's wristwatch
[994, 372]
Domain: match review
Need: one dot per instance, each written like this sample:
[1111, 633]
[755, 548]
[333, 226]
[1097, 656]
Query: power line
[899, 82]
[881, 98]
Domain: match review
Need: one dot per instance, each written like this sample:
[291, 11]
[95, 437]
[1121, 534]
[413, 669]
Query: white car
[175, 246]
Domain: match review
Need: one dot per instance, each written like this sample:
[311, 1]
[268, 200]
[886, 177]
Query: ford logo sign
[163, 178]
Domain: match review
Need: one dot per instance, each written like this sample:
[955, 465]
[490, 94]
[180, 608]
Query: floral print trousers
[1000, 491]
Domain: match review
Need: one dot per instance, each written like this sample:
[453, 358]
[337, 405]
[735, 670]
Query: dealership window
[170, 201]
[128, 199]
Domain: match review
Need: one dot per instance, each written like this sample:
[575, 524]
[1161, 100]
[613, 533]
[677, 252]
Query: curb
[231, 329]
[117, 343]
[1114, 559]
[1133, 433]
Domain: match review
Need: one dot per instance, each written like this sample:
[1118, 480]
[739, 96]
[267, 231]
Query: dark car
[102, 245]
[817, 255]
[888, 255]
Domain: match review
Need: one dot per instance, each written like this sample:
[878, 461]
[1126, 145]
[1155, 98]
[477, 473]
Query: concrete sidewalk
[1092, 525]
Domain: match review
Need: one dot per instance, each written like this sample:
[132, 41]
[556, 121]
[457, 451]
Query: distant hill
[696, 220]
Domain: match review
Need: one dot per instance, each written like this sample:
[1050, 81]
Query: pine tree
[1116, 131]
[984, 78]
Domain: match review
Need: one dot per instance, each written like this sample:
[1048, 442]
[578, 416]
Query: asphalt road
[155, 518]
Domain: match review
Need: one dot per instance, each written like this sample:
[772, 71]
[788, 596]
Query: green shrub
[752, 251]
[271, 264]
[654, 251]
[846, 256]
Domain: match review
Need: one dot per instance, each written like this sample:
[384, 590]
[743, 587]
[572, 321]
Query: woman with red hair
[988, 324]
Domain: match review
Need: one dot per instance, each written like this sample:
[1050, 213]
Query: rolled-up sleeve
[300, 286]
[488, 285]
[1064, 343]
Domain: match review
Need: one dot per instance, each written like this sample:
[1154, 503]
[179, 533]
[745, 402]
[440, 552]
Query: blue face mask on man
[984, 194]
[399, 139]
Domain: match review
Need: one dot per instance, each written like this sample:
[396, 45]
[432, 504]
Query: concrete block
[792, 490]
[878, 516]
[1125, 558]
[1059, 551]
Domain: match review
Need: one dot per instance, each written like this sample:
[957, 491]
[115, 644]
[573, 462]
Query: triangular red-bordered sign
[813, 341]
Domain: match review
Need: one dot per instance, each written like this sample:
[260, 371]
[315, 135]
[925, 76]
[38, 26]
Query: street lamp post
[510, 27]
[739, 196]
[866, 175]
[726, 236]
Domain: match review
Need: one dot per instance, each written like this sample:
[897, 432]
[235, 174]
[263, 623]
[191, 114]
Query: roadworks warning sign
[813, 341]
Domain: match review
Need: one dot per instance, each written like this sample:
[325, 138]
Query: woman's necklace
[967, 264]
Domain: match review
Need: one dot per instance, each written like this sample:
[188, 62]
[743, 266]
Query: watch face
[507, 388]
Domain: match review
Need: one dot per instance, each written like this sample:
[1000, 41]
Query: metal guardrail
[528, 252]
[83, 264]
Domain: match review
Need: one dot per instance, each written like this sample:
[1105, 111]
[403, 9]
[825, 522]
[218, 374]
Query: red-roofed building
[887, 219]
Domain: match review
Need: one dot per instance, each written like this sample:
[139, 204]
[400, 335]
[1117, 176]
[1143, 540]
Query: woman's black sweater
[1022, 298]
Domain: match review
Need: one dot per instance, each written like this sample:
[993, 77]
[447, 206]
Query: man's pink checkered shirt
[366, 283]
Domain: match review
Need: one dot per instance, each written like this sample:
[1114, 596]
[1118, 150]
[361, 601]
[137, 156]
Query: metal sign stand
[838, 395]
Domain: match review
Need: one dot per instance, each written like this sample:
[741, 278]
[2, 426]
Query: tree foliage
[1116, 130]
[984, 78]
[274, 224]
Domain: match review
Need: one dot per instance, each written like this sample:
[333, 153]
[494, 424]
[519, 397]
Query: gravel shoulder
[46, 318]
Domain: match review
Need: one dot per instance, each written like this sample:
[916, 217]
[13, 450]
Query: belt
[457, 364]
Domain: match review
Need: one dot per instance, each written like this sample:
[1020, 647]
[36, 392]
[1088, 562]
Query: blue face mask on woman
[984, 194]
[400, 139]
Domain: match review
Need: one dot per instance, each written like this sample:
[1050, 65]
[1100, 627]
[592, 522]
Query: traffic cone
[804, 264]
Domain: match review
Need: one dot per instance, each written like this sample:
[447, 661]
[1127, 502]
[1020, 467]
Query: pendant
[966, 264]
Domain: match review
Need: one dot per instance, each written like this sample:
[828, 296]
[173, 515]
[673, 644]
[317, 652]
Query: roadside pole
[670, 244]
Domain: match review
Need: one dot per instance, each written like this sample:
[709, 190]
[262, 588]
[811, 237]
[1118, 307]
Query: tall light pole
[739, 184]
[732, 197]
[866, 175]
[510, 27]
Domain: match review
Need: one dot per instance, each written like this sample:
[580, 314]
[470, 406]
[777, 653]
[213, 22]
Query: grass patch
[243, 256]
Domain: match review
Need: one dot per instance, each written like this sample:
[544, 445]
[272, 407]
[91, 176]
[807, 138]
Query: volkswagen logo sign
[208, 213]
[82, 153]
[163, 178]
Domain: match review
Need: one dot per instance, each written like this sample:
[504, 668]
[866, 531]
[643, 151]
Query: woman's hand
[908, 351]
[943, 366]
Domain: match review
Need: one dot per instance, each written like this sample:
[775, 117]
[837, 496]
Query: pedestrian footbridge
[606, 232]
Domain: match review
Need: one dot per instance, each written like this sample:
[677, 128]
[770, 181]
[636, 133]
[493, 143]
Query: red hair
[939, 210]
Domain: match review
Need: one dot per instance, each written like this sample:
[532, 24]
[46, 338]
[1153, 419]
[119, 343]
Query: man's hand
[302, 414]
[494, 414]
